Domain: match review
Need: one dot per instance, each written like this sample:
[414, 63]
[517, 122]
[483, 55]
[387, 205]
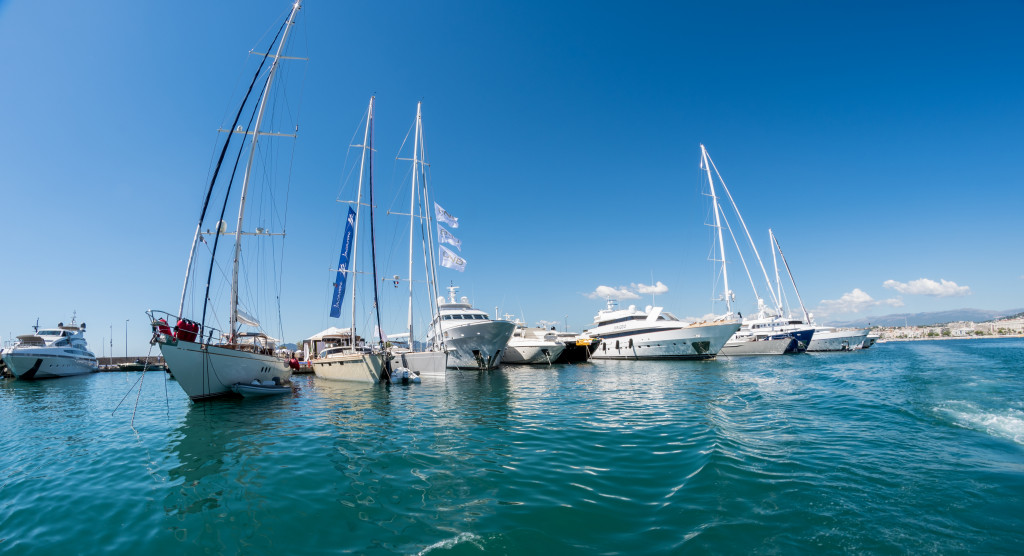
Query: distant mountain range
[926, 319]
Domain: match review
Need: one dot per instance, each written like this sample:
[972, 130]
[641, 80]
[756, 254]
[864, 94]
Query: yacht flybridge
[656, 334]
[472, 339]
[51, 353]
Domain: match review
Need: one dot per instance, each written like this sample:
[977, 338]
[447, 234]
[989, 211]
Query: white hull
[349, 367]
[478, 345]
[688, 342]
[527, 352]
[837, 340]
[426, 363]
[205, 371]
[40, 363]
[777, 346]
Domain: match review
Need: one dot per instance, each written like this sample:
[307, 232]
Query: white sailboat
[433, 360]
[768, 333]
[354, 361]
[205, 361]
[51, 353]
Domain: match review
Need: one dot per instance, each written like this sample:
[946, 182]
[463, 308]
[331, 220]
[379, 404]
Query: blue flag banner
[346, 248]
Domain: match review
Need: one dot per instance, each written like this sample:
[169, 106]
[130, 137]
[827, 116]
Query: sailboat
[769, 333]
[433, 360]
[353, 360]
[206, 361]
[826, 338]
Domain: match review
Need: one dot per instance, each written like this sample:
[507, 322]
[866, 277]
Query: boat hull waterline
[689, 342]
[837, 340]
[425, 363]
[44, 363]
[208, 371]
[773, 346]
[350, 367]
[526, 353]
[479, 345]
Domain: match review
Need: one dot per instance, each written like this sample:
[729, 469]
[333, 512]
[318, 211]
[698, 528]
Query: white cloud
[643, 289]
[924, 286]
[852, 302]
[608, 292]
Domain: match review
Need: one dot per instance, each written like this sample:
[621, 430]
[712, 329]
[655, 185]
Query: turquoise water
[913, 447]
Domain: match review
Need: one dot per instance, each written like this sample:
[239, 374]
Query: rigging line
[139, 395]
[125, 396]
[385, 367]
[736, 243]
[287, 199]
[216, 172]
[227, 195]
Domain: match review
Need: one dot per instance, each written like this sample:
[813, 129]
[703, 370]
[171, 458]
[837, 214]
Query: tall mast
[718, 224]
[725, 188]
[429, 253]
[412, 203]
[248, 169]
[775, 261]
[367, 151]
[807, 317]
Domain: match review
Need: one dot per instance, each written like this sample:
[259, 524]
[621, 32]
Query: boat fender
[293, 363]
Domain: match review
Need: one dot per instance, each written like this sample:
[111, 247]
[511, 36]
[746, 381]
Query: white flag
[444, 236]
[450, 260]
[443, 216]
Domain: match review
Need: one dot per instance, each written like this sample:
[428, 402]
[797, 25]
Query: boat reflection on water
[225, 470]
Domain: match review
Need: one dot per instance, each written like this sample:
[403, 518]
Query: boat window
[482, 317]
[49, 332]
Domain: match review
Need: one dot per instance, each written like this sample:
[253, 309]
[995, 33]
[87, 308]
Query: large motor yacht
[471, 338]
[656, 334]
[51, 353]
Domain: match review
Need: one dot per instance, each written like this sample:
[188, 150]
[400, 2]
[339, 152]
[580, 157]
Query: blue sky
[881, 141]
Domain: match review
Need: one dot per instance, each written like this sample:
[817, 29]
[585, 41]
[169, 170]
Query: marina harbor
[516, 278]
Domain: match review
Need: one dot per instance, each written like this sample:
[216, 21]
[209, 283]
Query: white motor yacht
[471, 338]
[828, 338]
[532, 346]
[51, 353]
[656, 334]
